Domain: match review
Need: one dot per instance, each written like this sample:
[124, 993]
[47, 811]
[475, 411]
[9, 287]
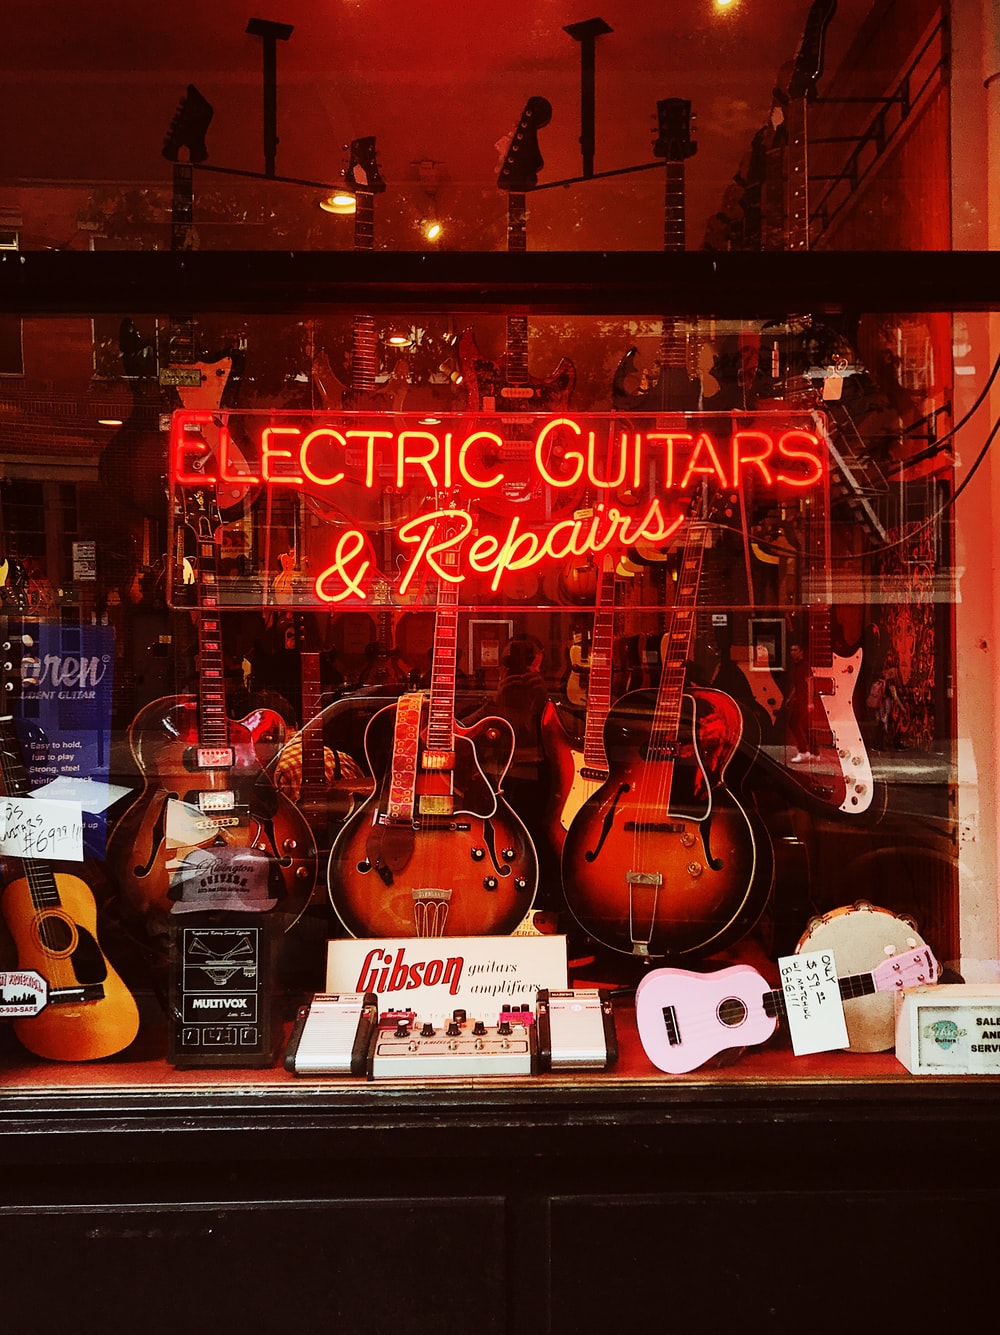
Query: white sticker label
[36, 828]
[813, 1003]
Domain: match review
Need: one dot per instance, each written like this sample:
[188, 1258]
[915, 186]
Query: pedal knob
[453, 1030]
[479, 1027]
[504, 1028]
[427, 1031]
[402, 1031]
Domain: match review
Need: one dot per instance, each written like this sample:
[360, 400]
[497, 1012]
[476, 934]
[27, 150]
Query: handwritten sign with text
[812, 1000]
[36, 828]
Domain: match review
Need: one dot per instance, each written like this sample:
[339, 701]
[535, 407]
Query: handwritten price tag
[35, 828]
[812, 1000]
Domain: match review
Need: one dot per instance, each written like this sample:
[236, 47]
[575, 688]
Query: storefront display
[498, 720]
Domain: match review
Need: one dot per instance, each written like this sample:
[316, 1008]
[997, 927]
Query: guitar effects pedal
[332, 1034]
[576, 1030]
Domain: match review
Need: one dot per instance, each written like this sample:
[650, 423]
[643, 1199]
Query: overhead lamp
[432, 229]
[451, 372]
[341, 201]
[399, 338]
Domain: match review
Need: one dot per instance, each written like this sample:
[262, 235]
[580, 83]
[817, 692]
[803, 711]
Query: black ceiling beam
[721, 284]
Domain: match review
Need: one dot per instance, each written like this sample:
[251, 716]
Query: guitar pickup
[217, 823]
[223, 800]
[655, 826]
[433, 804]
[215, 757]
[438, 760]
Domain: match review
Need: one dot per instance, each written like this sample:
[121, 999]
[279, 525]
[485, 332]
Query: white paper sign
[436, 975]
[93, 795]
[36, 828]
[813, 1003]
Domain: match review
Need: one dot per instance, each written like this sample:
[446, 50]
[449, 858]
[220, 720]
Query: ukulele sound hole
[732, 1012]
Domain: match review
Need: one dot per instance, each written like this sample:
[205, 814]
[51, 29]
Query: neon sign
[318, 457]
[524, 492]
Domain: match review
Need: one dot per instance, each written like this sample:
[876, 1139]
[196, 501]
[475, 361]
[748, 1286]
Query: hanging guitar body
[452, 859]
[189, 803]
[662, 860]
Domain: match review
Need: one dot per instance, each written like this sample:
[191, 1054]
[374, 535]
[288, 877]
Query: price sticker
[813, 1004]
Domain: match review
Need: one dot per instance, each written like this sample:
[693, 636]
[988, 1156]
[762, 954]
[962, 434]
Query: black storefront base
[557, 1206]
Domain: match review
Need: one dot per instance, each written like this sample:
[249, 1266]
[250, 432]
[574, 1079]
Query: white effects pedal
[576, 1030]
[332, 1034]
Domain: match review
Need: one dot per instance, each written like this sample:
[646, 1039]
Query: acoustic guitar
[52, 916]
[436, 850]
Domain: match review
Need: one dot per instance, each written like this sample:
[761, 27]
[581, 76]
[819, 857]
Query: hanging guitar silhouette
[380, 506]
[507, 387]
[684, 1018]
[208, 808]
[663, 860]
[435, 851]
[136, 458]
[52, 916]
[670, 385]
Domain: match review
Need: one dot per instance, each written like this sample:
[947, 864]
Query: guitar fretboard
[517, 325]
[663, 737]
[444, 669]
[673, 344]
[856, 985]
[600, 664]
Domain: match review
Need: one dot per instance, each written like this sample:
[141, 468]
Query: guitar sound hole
[732, 1012]
[56, 933]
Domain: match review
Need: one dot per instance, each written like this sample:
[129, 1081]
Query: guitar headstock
[523, 159]
[362, 172]
[809, 61]
[913, 968]
[673, 138]
[188, 128]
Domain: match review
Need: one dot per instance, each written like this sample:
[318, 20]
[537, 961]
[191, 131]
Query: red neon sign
[530, 490]
[318, 458]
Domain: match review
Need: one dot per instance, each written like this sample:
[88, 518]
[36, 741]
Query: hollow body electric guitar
[209, 817]
[52, 916]
[435, 851]
[662, 860]
[684, 1018]
[507, 387]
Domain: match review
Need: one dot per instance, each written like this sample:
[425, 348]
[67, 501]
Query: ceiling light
[342, 201]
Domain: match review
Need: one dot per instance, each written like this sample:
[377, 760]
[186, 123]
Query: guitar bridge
[653, 878]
